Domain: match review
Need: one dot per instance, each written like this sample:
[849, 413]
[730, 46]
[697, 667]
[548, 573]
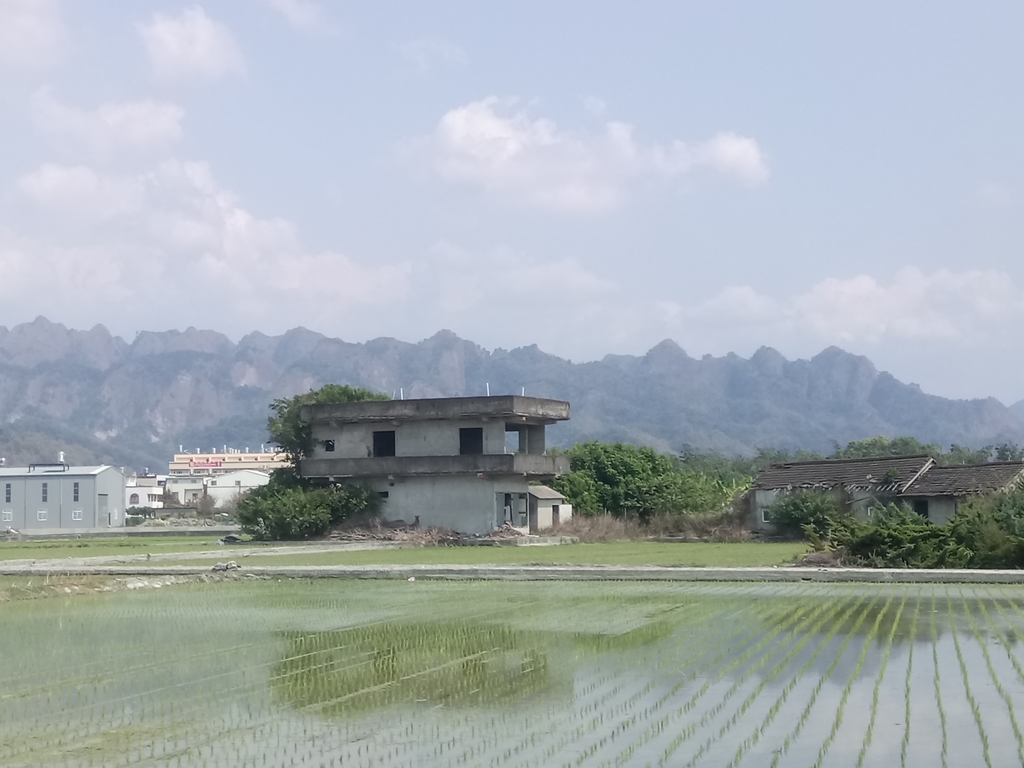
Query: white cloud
[31, 33]
[427, 53]
[301, 14]
[80, 192]
[135, 125]
[491, 145]
[179, 231]
[191, 45]
[943, 306]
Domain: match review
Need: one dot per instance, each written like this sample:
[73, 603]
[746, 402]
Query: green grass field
[609, 553]
[60, 548]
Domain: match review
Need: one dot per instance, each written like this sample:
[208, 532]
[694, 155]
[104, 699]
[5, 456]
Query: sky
[591, 177]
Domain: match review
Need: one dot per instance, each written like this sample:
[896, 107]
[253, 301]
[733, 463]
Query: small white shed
[547, 508]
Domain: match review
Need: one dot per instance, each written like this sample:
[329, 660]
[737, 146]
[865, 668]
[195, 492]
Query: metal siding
[16, 505]
[111, 482]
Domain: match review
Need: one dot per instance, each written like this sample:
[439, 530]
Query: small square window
[329, 446]
[41, 515]
[8, 515]
[384, 443]
[471, 441]
[765, 517]
[76, 514]
[383, 494]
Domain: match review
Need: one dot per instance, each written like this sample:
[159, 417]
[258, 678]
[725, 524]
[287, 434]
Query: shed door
[102, 511]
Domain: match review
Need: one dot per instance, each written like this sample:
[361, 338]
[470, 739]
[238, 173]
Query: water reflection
[457, 665]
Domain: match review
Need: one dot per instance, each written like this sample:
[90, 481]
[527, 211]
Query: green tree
[628, 481]
[877, 447]
[295, 436]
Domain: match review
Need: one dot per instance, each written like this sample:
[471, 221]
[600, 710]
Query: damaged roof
[888, 473]
[967, 479]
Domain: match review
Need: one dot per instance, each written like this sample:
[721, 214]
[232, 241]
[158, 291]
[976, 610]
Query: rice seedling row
[514, 675]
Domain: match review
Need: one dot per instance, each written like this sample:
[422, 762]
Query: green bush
[987, 532]
[805, 514]
[286, 510]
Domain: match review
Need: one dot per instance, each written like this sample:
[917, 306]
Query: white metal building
[48, 497]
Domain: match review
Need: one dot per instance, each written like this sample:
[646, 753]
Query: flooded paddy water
[365, 673]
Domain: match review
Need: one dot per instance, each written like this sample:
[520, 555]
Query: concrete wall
[759, 503]
[940, 508]
[467, 504]
[412, 438]
[542, 514]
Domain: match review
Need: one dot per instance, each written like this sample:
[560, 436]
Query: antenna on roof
[524, 391]
[401, 393]
[488, 389]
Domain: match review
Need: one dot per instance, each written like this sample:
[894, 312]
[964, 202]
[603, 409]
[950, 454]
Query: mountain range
[100, 398]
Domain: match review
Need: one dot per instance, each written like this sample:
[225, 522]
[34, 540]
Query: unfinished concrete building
[463, 463]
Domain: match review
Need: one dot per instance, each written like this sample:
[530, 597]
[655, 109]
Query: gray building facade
[49, 497]
[462, 463]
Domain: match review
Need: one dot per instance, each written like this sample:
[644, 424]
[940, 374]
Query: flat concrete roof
[525, 410]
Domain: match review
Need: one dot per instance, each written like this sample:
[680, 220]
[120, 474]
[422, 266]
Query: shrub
[803, 514]
[291, 511]
[986, 533]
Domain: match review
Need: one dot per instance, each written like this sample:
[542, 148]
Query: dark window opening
[45, 491]
[383, 494]
[7, 494]
[329, 446]
[921, 507]
[75, 491]
[471, 441]
[384, 443]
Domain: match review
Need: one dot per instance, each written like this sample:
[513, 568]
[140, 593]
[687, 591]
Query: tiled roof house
[933, 491]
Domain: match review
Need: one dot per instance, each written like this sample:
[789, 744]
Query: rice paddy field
[516, 674]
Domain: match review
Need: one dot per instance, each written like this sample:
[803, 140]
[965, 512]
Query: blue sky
[592, 177]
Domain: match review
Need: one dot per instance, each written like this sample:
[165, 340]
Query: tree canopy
[295, 436]
[628, 481]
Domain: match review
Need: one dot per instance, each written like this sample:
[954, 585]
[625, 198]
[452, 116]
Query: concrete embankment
[542, 573]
